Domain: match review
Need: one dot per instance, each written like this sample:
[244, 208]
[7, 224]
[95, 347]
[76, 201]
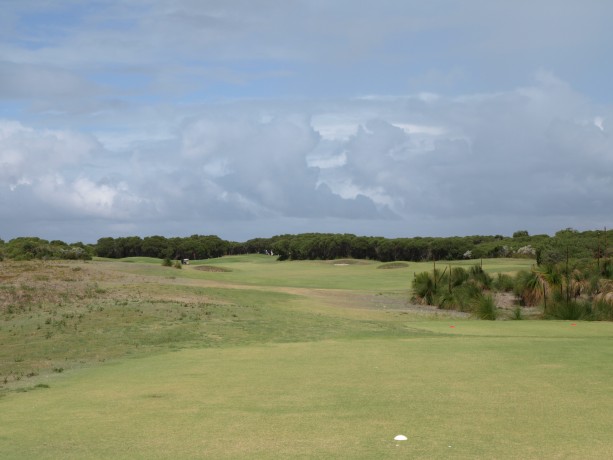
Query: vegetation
[328, 246]
[28, 248]
[570, 290]
[455, 289]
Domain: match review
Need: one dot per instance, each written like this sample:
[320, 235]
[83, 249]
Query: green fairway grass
[472, 396]
[264, 270]
[268, 359]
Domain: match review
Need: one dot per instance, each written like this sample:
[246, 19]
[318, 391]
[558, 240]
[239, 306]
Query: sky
[254, 118]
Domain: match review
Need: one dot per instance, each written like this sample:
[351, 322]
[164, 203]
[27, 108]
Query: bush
[528, 288]
[517, 314]
[458, 276]
[167, 262]
[480, 277]
[462, 298]
[602, 310]
[423, 288]
[504, 283]
[177, 264]
[486, 308]
[570, 310]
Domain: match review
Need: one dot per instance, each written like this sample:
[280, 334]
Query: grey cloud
[27, 81]
[48, 174]
[538, 155]
[532, 152]
[263, 165]
[26, 152]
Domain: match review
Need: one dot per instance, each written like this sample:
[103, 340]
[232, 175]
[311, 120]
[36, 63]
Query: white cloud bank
[538, 157]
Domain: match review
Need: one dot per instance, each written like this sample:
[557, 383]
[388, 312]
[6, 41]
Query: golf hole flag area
[488, 390]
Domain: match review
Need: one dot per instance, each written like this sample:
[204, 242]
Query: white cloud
[81, 196]
[26, 153]
[599, 123]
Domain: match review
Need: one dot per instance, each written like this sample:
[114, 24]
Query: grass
[284, 360]
[261, 270]
[492, 397]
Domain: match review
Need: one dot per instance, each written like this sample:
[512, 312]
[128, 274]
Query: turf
[461, 397]
[285, 360]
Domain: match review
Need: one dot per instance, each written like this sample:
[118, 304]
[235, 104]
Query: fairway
[255, 366]
[472, 396]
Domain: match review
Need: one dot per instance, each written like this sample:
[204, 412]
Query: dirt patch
[392, 302]
[211, 268]
[505, 300]
[347, 262]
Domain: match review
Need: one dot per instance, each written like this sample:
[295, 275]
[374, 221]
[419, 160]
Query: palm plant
[531, 287]
[605, 292]
[579, 283]
[486, 308]
[424, 287]
[478, 276]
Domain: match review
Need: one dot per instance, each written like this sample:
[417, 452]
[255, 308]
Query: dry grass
[57, 316]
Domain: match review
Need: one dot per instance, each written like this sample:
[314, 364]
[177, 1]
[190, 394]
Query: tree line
[592, 244]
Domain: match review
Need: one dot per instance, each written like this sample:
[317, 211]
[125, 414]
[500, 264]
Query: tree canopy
[325, 246]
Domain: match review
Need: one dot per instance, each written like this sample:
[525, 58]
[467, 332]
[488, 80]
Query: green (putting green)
[476, 390]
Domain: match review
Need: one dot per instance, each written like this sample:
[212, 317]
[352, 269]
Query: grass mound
[392, 265]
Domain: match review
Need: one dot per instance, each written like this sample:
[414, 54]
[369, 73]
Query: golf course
[250, 357]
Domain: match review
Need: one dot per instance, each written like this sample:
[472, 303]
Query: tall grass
[486, 308]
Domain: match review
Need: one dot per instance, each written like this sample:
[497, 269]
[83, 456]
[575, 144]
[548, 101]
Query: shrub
[167, 262]
[529, 288]
[458, 276]
[423, 288]
[177, 264]
[462, 298]
[570, 310]
[607, 269]
[480, 277]
[503, 282]
[602, 310]
[486, 308]
[517, 314]
[526, 251]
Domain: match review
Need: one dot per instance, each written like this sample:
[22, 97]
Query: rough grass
[57, 315]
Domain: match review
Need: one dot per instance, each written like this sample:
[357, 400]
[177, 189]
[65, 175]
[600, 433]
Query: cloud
[533, 151]
[26, 152]
[44, 171]
[84, 198]
[398, 118]
[261, 165]
[27, 81]
[533, 154]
